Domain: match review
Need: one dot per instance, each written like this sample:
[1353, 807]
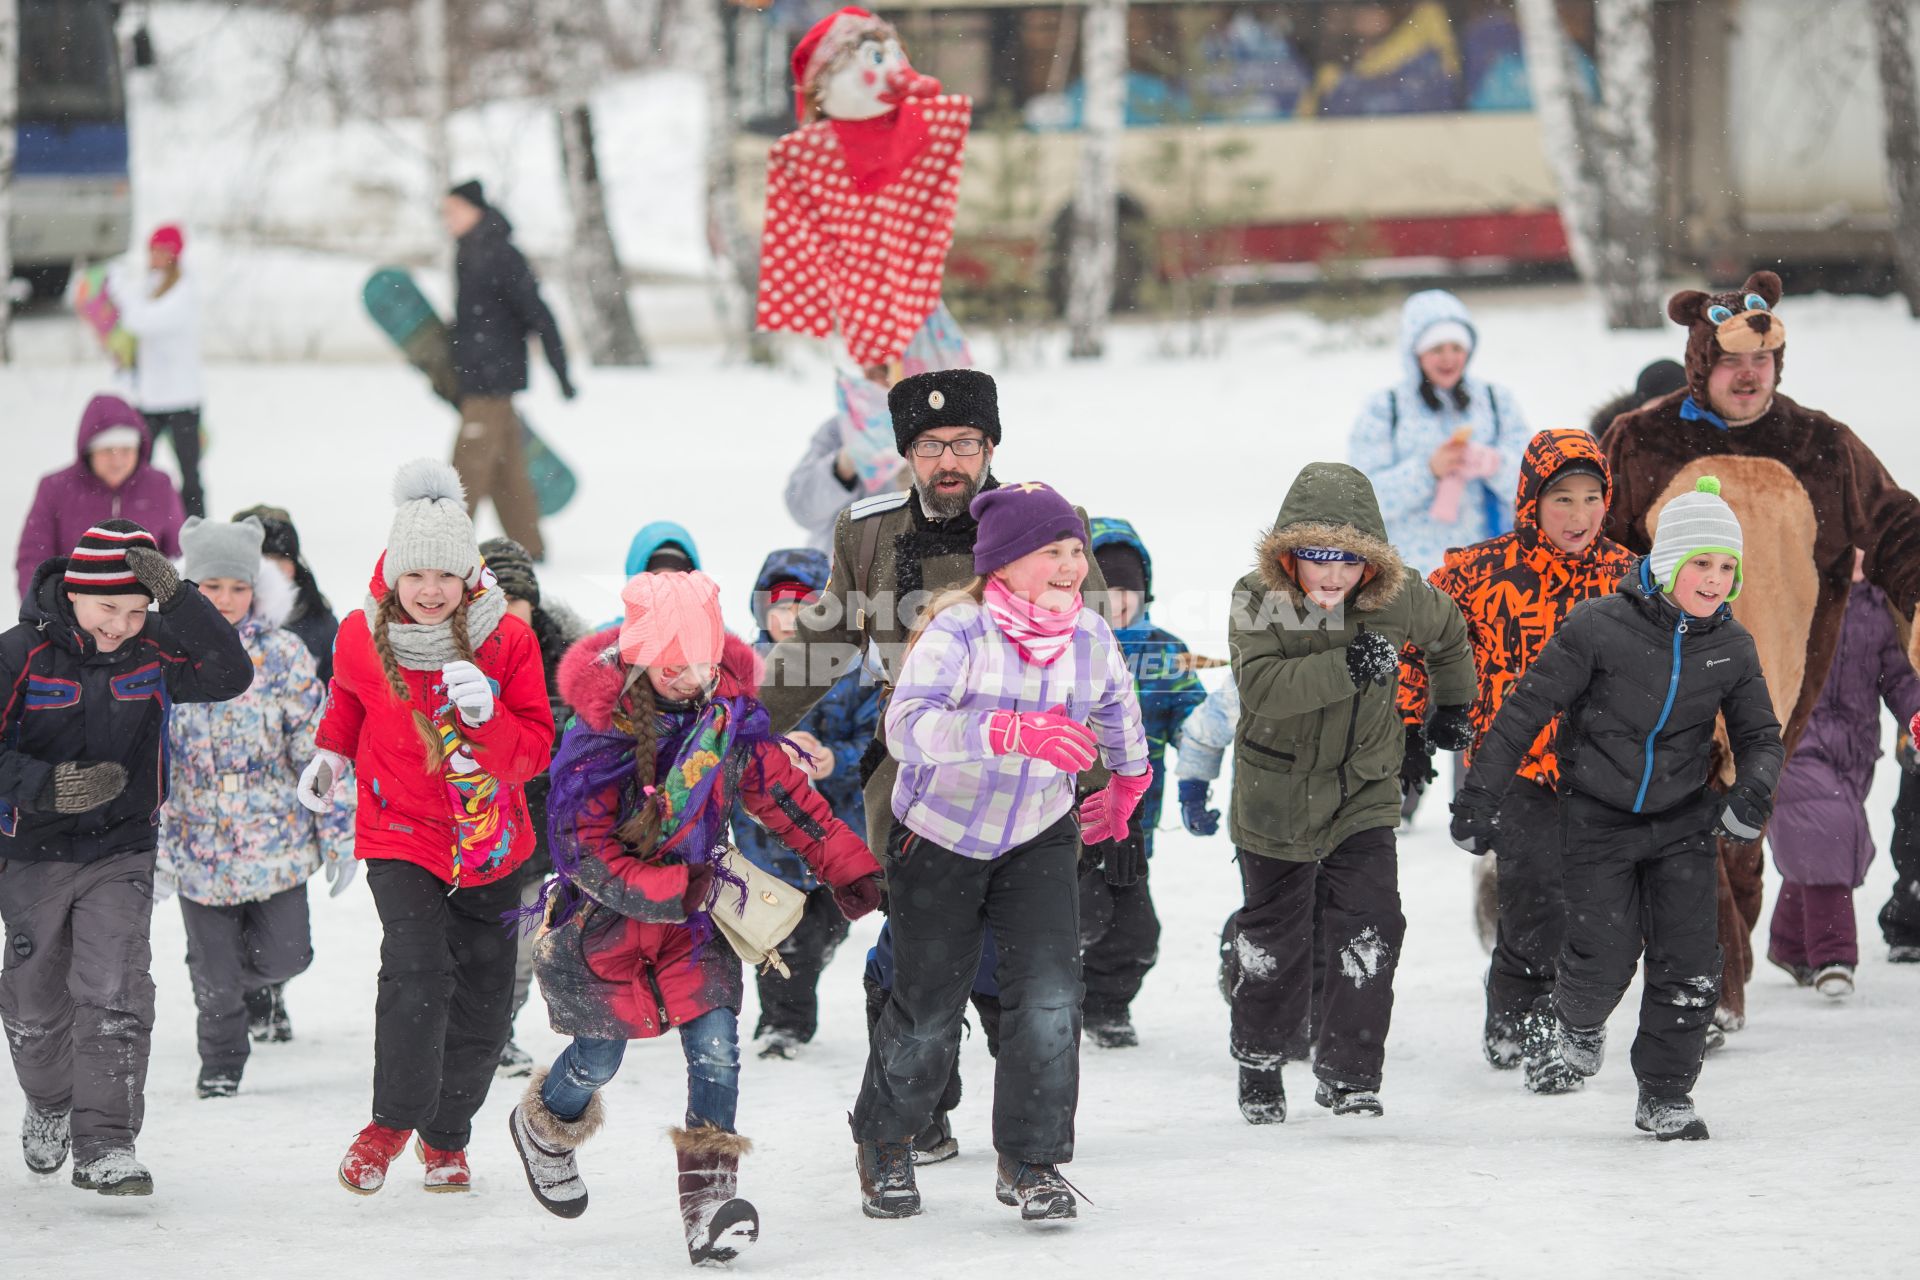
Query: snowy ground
[1466, 1175]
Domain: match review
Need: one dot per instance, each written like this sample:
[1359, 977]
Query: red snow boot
[364, 1171]
[446, 1170]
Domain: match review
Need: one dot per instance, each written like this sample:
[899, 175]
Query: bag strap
[863, 575]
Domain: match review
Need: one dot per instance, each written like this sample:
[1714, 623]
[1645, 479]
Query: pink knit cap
[673, 619]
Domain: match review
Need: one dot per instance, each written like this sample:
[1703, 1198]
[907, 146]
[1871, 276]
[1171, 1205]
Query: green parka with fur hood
[1315, 760]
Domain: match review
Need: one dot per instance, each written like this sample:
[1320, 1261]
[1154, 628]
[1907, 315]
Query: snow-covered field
[1465, 1175]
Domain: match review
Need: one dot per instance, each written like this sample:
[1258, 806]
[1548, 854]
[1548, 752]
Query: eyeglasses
[966, 448]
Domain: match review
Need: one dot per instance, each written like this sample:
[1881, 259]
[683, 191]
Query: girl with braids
[439, 700]
[668, 736]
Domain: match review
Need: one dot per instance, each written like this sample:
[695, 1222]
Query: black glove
[1126, 858]
[1372, 658]
[1744, 816]
[1451, 729]
[80, 787]
[1416, 767]
[1194, 814]
[1475, 818]
[156, 574]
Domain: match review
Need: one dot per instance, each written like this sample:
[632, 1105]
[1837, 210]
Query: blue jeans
[711, 1043]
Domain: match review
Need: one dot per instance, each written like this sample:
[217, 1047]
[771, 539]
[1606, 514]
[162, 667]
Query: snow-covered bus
[71, 195]
[1297, 139]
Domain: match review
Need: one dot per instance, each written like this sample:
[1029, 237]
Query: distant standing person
[162, 310]
[497, 304]
[1441, 448]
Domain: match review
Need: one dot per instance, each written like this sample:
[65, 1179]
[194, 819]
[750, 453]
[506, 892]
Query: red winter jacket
[406, 813]
[624, 965]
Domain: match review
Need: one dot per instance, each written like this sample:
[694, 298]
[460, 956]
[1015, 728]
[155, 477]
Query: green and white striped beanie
[1696, 522]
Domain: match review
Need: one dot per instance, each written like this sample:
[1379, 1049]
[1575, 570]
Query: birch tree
[1604, 155]
[1093, 246]
[9, 118]
[1900, 103]
[704, 47]
[572, 36]
[436, 92]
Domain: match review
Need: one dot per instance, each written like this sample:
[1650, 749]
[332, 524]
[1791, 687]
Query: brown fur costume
[1807, 492]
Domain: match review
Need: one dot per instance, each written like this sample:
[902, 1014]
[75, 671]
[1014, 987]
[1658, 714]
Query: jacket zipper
[1353, 726]
[659, 1000]
[1673, 687]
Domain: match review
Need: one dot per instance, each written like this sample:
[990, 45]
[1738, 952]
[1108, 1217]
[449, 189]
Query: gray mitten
[78, 787]
[156, 574]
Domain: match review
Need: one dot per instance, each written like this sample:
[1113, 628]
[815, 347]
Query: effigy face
[870, 82]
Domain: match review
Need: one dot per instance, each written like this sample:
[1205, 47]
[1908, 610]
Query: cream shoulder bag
[757, 927]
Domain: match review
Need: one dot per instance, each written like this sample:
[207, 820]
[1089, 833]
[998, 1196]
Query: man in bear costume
[1807, 492]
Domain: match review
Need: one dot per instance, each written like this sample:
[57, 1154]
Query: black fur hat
[944, 398]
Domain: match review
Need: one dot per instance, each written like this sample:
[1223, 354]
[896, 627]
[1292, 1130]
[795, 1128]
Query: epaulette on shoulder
[879, 504]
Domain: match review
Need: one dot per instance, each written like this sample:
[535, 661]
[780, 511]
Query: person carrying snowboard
[89, 679]
[497, 305]
[669, 738]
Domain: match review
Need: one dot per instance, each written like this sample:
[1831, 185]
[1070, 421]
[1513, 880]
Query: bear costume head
[1738, 321]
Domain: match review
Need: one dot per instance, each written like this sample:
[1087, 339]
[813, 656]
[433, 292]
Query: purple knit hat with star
[1016, 519]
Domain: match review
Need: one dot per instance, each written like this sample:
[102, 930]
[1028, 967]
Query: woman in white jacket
[162, 311]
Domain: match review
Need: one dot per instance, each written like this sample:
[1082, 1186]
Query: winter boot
[1669, 1118]
[1834, 981]
[364, 1170]
[1716, 1039]
[1112, 1030]
[546, 1144]
[1583, 1049]
[1503, 1040]
[936, 1143]
[1263, 1097]
[115, 1173]
[1042, 1194]
[45, 1138]
[218, 1082]
[1348, 1099]
[719, 1224]
[778, 1044]
[1547, 1071]
[446, 1170]
[887, 1188]
[1901, 953]
[514, 1062]
[260, 1014]
[1801, 974]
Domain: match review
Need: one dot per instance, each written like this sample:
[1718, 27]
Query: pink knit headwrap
[673, 619]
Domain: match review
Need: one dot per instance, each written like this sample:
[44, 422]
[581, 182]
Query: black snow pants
[1634, 880]
[234, 949]
[940, 903]
[1533, 903]
[792, 1004]
[1271, 968]
[1900, 918]
[444, 1006]
[1119, 942]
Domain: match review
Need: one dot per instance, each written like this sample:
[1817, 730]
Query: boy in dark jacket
[834, 735]
[1316, 633]
[1119, 930]
[86, 681]
[1638, 679]
[1514, 591]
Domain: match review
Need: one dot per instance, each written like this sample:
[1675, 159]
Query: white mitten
[319, 778]
[469, 689]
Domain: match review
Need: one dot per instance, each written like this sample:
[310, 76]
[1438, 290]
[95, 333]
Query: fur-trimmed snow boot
[547, 1143]
[718, 1223]
[45, 1138]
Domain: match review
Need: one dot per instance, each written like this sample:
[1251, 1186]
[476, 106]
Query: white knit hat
[431, 529]
[215, 549]
[1696, 522]
[1440, 332]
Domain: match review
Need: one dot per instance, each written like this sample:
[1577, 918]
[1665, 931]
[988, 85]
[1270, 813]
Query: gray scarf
[431, 647]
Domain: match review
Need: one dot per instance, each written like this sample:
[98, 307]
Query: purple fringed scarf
[591, 762]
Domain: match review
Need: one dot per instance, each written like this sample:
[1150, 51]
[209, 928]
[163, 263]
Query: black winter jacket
[62, 700]
[497, 304]
[1641, 684]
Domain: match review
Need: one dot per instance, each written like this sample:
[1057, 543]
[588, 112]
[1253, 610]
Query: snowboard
[95, 306]
[404, 314]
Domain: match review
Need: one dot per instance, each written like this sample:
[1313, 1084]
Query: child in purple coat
[1819, 833]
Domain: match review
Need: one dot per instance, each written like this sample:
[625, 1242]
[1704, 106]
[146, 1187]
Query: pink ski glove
[1048, 736]
[1478, 462]
[1105, 813]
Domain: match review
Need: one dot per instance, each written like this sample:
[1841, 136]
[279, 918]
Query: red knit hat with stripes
[98, 566]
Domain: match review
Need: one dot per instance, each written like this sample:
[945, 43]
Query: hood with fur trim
[1332, 505]
[592, 675]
